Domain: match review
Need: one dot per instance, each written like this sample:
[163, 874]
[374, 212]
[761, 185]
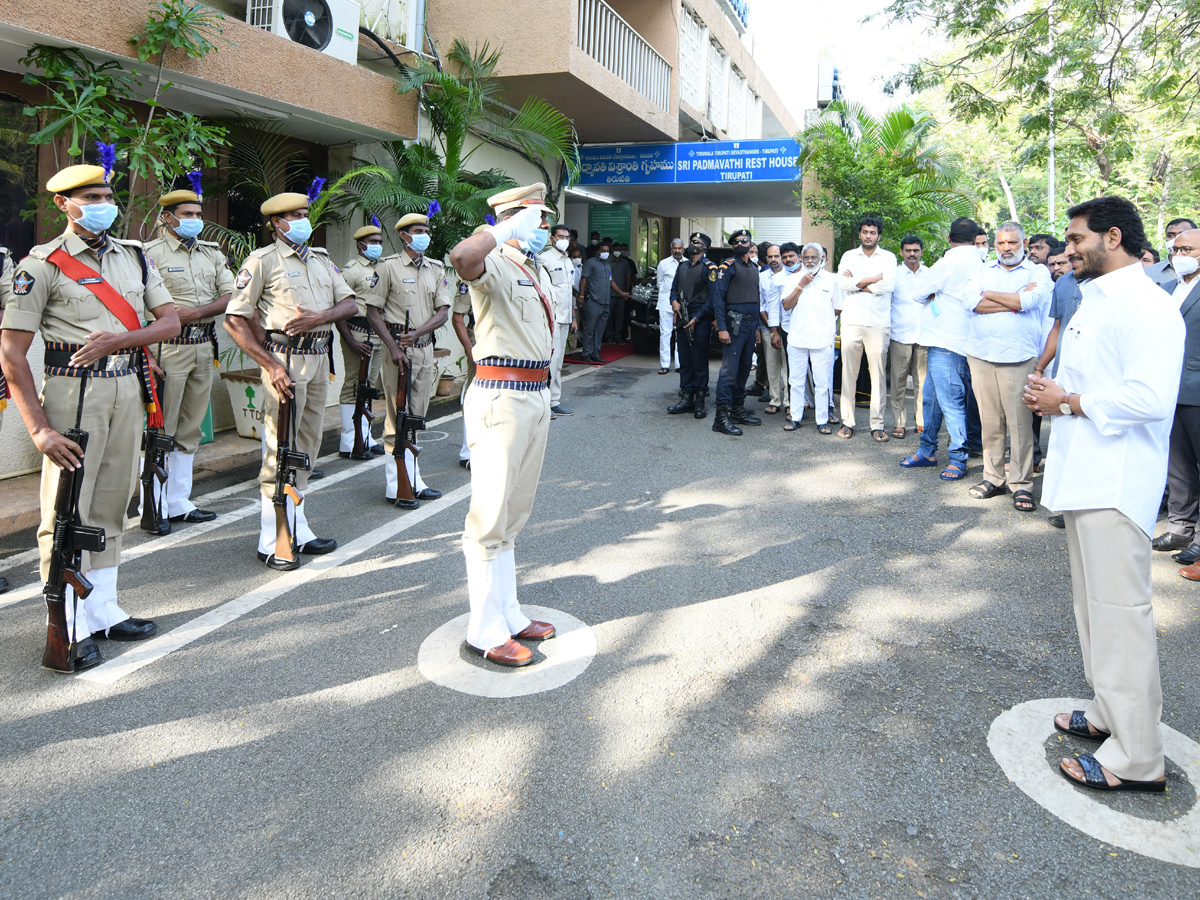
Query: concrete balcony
[604, 64]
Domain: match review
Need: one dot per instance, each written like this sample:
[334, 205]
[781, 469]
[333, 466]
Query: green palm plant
[464, 104]
[889, 167]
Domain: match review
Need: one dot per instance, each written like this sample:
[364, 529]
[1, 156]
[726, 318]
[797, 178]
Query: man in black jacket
[689, 296]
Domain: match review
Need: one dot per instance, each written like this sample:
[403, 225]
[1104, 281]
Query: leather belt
[359, 322]
[195, 334]
[311, 343]
[510, 373]
[57, 360]
[397, 330]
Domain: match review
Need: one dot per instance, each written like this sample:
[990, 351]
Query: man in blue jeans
[944, 324]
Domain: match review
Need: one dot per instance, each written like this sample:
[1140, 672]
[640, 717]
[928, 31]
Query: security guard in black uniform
[734, 301]
[689, 295]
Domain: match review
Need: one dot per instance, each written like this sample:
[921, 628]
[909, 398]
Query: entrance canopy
[697, 179]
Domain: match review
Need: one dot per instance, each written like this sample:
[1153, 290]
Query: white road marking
[156, 648]
[1017, 738]
[568, 654]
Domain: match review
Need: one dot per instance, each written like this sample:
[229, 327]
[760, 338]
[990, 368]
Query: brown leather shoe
[535, 631]
[510, 653]
[1192, 572]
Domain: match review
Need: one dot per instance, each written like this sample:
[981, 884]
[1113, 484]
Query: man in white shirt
[865, 275]
[808, 297]
[905, 355]
[1003, 345]
[562, 297]
[1161, 272]
[771, 354]
[1118, 380]
[664, 276]
[943, 332]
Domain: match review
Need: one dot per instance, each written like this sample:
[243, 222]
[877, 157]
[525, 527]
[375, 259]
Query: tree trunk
[1012, 206]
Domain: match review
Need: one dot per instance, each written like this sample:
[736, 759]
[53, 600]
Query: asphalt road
[801, 650]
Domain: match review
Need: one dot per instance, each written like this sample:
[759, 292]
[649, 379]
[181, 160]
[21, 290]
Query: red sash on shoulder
[85, 276]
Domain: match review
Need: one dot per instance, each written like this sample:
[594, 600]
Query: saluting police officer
[412, 289]
[506, 415]
[5, 287]
[88, 350]
[734, 301]
[200, 283]
[285, 298]
[689, 296]
[358, 341]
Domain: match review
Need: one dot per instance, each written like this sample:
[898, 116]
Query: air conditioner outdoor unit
[330, 26]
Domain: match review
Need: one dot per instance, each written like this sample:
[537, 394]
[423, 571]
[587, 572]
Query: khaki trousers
[998, 390]
[311, 374]
[420, 389]
[186, 391]
[777, 368]
[112, 418]
[905, 360]
[351, 360]
[1110, 586]
[873, 341]
[506, 433]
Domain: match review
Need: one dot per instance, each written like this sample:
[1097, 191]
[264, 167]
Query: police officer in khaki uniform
[506, 415]
[87, 349]
[462, 320]
[5, 286]
[200, 283]
[413, 288]
[358, 341]
[285, 298]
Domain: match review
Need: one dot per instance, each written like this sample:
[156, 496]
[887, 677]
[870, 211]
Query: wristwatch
[1065, 406]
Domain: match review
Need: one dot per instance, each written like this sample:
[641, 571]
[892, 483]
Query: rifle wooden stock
[402, 441]
[70, 540]
[287, 462]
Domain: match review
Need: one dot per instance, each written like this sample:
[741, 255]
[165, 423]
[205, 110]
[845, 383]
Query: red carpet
[608, 352]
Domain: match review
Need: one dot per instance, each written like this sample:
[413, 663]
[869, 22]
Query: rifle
[407, 426]
[287, 463]
[66, 556]
[364, 393]
[155, 447]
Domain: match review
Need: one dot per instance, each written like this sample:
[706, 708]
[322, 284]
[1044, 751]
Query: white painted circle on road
[430, 437]
[567, 654]
[1017, 739]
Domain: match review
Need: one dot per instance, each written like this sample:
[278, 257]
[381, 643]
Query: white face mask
[604, 254]
[616, 253]
[562, 245]
[983, 252]
[1184, 265]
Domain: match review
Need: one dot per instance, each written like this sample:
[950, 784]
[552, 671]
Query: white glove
[521, 226]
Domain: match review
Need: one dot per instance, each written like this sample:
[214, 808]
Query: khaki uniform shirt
[408, 287]
[360, 274]
[43, 299]
[6, 276]
[510, 318]
[194, 277]
[275, 284]
[560, 290]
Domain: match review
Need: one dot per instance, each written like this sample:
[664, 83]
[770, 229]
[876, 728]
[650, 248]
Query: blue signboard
[693, 163]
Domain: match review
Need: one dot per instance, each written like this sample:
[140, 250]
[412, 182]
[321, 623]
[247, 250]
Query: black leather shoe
[377, 450]
[164, 527]
[562, 411]
[1057, 521]
[428, 494]
[86, 655]
[739, 416]
[1170, 541]
[316, 474]
[686, 404]
[279, 565]
[318, 547]
[1188, 555]
[130, 630]
[404, 504]
[700, 411]
[3, 585]
[722, 423]
[196, 515]
[464, 464]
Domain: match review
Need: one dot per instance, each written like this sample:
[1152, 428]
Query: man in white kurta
[664, 276]
[808, 297]
[1114, 398]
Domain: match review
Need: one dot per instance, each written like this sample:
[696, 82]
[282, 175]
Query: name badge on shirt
[525, 282]
[293, 274]
[176, 269]
[410, 281]
[90, 280]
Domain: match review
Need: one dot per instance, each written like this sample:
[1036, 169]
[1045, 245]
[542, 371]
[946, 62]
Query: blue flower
[434, 209]
[194, 179]
[314, 190]
[108, 157]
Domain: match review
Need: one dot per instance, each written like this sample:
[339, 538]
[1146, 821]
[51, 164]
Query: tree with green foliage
[888, 167]
[467, 110]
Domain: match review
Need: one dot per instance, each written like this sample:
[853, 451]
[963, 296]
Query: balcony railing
[612, 42]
